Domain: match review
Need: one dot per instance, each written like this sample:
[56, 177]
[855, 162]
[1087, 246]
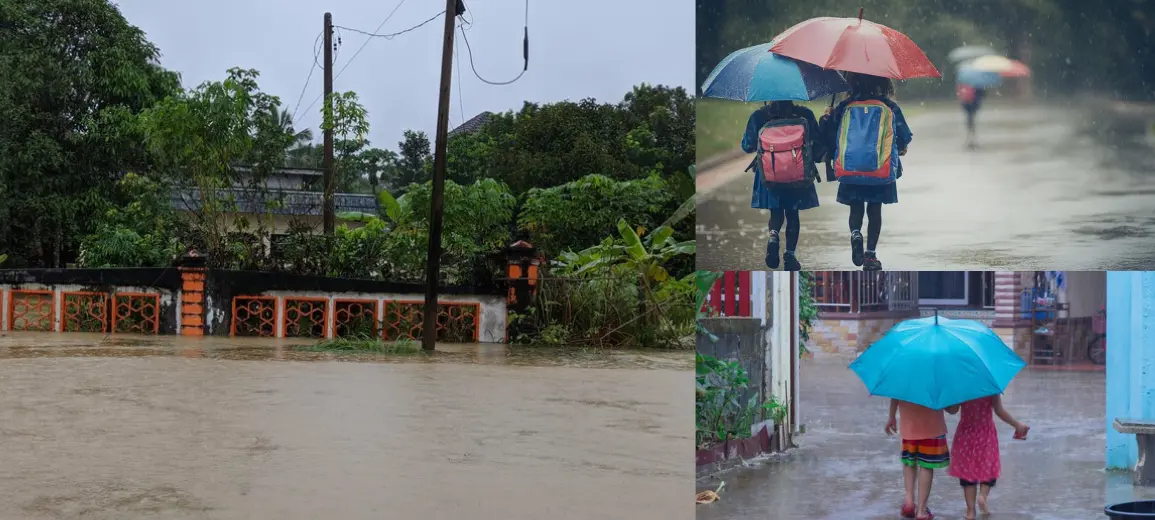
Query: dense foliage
[75, 74]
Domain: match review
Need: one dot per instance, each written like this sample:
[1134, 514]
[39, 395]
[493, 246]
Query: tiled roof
[472, 125]
[288, 202]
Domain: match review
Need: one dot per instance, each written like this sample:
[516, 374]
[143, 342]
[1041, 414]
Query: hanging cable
[524, 52]
[457, 58]
[390, 36]
[316, 53]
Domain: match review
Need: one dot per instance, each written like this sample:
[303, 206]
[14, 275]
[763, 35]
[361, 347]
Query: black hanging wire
[524, 52]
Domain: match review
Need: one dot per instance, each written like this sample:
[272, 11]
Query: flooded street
[169, 428]
[845, 463]
[1038, 193]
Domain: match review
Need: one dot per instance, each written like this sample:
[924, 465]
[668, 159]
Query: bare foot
[970, 514]
[983, 505]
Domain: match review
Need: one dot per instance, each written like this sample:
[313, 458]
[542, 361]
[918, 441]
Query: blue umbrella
[756, 74]
[938, 362]
[979, 78]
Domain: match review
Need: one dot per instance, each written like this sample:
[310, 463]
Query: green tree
[75, 74]
[198, 136]
[413, 159]
[579, 214]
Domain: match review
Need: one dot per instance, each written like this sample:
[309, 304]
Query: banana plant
[392, 208]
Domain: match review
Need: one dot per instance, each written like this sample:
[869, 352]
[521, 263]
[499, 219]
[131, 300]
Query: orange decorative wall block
[456, 322]
[254, 316]
[31, 310]
[84, 311]
[305, 317]
[353, 318]
[136, 313]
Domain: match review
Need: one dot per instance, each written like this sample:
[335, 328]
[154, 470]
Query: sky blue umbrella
[756, 74]
[969, 52]
[978, 78]
[938, 362]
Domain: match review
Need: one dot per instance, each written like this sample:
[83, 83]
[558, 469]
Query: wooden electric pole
[329, 217]
[433, 262]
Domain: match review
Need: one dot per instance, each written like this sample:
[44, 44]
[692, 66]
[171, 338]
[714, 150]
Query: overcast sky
[592, 48]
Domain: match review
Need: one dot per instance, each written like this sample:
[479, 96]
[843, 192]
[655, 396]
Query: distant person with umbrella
[970, 97]
[783, 136]
[976, 76]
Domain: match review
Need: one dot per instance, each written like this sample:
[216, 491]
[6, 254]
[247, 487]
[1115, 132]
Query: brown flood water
[217, 428]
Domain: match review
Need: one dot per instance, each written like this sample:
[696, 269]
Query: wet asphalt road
[223, 428]
[846, 467]
[1038, 193]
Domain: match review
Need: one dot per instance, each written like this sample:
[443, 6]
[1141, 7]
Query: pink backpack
[784, 150]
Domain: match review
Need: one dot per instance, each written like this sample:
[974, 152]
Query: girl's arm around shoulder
[817, 137]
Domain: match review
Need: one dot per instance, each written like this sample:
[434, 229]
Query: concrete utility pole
[329, 216]
[433, 263]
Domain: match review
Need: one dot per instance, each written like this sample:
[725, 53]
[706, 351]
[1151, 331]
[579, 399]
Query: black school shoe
[772, 252]
[790, 262]
[856, 247]
[870, 262]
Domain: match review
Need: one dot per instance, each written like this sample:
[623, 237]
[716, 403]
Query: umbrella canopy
[979, 78]
[1004, 66]
[855, 45]
[756, 74]
[938, 362]
[969, 52]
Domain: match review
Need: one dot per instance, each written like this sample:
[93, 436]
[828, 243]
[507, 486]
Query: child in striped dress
[924, 450]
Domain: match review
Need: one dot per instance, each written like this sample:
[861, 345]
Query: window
[943, 287]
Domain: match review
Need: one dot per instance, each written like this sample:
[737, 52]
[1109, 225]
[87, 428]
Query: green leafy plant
[722, 413]
[807, 309]
[368, 344]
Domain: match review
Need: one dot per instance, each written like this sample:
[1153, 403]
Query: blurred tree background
[1072, 46]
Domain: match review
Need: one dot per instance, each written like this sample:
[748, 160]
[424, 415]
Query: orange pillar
[192, 301]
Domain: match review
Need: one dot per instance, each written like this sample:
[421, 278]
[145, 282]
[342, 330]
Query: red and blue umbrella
[756, 74]
[855, 45]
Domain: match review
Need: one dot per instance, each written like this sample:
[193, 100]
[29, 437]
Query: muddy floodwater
[219, 428]
[1048, 187]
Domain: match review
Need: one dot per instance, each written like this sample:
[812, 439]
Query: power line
[316, 52]
[375, 33]
[457, 58]
[525, 53]
[390, 36]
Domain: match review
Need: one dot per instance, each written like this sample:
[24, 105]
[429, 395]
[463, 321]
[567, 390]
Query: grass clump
[366, 344]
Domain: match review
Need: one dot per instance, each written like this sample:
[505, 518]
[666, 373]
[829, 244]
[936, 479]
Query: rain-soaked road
[846, 467]
[220, 429]
[1038, 193]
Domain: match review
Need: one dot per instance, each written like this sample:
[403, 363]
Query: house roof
[304, 172]
[284, 202]
[472, 125]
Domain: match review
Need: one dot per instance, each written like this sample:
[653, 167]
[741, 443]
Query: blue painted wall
[1130, 359]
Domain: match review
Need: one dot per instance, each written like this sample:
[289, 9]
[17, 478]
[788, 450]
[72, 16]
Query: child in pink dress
[975, 450]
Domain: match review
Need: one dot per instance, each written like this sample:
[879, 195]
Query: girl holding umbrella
[784, 136]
